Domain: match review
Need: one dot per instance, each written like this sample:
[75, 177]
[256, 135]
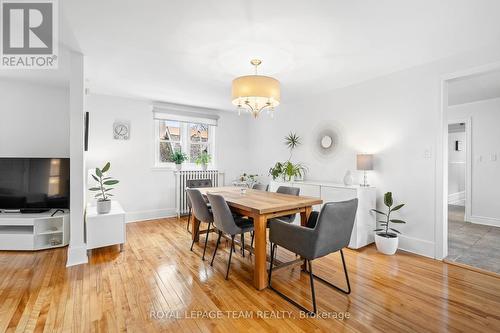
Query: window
[192, 138]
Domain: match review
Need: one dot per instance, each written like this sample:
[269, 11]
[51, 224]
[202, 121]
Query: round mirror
[326, 141]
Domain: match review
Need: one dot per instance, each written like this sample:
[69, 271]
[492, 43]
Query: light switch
[427, 154]
[493, 157]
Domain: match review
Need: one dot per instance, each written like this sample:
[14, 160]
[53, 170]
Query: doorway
[471, 214]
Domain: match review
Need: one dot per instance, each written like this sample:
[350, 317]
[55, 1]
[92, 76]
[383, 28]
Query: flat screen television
[34, 184]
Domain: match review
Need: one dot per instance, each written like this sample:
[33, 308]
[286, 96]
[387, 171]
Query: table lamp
[364, 162]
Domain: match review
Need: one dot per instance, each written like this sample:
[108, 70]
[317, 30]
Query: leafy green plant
[287, 170]
[103, 183]
[291, 170]
[178, 157]
[384, 231]
[276, 171]
[203, 158]
[292, 140]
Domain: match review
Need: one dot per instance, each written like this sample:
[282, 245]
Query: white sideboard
[28, 232]
[365, 223]
[105, 229]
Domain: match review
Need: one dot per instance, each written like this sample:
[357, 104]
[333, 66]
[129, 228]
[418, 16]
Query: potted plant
[289, 171]
[276, 171]
[103, 197]
[203, 159]
[178, 157]
[387, 241]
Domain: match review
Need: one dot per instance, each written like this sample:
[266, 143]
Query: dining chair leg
[273, 253]
[275, 250]
[243, 244]
[230, 255]
[206, 241]
[197, 234]
[348, 291]
[216, 247]
[311, 277]
[271, 267]
[251, 242]
[189, 219]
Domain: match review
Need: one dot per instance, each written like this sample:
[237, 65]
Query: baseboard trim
[149, 214]
[77, 255]
[417, 246]
[471, 268]
[484, 220]
[457, 199]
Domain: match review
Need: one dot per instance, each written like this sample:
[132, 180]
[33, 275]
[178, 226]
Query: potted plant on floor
[103, 197]
[203, 159]
[386, 237]
[178, 157]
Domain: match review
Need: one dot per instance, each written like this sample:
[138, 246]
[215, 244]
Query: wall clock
[121, 130]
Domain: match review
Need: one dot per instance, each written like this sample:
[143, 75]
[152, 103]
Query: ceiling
[189, 51]
[474, 88]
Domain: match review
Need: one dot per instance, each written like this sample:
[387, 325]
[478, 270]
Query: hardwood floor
[158, 277]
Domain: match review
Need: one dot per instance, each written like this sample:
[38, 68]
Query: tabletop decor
[103, 195]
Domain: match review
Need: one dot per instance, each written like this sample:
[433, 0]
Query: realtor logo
[29, 34]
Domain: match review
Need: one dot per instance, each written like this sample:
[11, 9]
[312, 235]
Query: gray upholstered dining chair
[330, 233]
[202, 213]
[260, 187]
[290, 191]
[288, 218]
[195, 183]
[227, 223]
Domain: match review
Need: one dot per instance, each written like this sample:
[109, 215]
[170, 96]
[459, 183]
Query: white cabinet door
[310, 191]
[335, 194]
[273, 185]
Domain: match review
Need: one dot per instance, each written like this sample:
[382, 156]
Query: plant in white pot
[386, 238]
[203, 159]
[103, 195]
[178, 157]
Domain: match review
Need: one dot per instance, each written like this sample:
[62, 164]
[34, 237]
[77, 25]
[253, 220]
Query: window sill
[173, 168]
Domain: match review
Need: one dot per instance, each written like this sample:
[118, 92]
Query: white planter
[204, 167]
[178, 167]
[103, 206]
[386, 245]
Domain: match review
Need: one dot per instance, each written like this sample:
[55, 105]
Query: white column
[77, 251]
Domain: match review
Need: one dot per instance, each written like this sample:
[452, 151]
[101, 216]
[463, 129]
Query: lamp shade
[364, 162]
[251, 87]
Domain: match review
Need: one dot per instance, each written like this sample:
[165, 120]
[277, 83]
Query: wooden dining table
[261, 206]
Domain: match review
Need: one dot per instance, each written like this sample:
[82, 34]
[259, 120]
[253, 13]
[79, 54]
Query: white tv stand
[28, 232]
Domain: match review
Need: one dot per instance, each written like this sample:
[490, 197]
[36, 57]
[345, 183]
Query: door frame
[468, 162]
[441, 208]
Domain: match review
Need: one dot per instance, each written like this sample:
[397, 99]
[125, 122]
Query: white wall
[485, 150]
[456, 169]
[144, 191]
[34, 120]
[396, 117]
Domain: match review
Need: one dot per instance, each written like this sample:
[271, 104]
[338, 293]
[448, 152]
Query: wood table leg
[194, 225]
[260, 269]
[304, 217]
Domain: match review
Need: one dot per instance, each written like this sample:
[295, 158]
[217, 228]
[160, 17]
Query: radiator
[180, 185]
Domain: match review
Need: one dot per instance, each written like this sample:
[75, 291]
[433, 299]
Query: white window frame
[185, 142]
